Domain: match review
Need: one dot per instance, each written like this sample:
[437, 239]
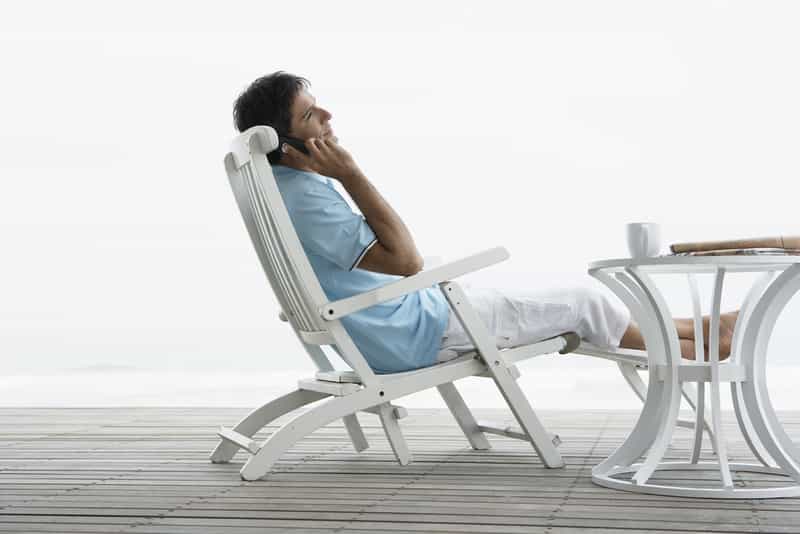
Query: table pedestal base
[789, 490]
[745, 372]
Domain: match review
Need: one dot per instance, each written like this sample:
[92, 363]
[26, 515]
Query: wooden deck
[145, 470]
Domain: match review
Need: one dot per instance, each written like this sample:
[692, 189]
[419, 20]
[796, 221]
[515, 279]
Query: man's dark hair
[266, 102]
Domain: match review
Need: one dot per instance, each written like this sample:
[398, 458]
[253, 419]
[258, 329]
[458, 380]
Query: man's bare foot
[687, 349]
[727, 321]
[633, 339]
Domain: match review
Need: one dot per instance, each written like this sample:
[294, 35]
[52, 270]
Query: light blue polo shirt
[399, 335]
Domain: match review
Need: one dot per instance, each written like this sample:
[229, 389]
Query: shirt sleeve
[328, 227]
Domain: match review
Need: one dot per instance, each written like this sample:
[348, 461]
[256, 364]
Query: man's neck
[299, 167]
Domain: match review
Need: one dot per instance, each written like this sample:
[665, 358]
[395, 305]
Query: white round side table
[633, 465]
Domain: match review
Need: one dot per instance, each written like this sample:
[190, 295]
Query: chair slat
[316, 338]
[285, 261]
[273, 250]
[239, 187]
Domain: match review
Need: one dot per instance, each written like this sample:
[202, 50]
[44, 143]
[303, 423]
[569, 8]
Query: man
[351, 253]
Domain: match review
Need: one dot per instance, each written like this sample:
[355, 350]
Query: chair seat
[512, 354]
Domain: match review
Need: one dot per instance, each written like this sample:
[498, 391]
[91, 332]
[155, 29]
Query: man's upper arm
[328, 227]
[380, 260]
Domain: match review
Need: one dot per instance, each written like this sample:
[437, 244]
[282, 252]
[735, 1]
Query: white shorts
[519, 317]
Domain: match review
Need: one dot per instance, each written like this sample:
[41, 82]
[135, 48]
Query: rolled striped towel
[785, 242]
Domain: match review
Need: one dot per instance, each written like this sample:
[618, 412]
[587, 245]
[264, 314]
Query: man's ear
[293, 157]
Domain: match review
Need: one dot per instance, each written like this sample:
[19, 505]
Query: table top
[697, 264]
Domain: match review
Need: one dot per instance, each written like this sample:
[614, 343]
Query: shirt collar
[285, 171]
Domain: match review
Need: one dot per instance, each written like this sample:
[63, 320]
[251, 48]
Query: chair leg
[540, 439]
[463, 416]
[393, 433]
[502, 375]
[357, 436]
[260, 417]
[302, 425]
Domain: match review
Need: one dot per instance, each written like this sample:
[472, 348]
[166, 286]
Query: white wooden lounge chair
[316, 322]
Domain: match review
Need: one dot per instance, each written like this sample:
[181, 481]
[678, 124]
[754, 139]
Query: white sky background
[543, 127]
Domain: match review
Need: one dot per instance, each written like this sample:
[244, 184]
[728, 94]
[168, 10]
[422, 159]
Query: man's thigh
[516, 317]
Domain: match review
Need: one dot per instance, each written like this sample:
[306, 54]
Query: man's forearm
[392, 233]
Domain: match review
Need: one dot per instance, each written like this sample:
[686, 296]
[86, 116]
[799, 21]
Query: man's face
[308, 119]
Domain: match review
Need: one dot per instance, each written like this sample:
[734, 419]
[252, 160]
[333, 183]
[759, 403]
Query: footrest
[512, 432]
[637, 358]
[240, 440]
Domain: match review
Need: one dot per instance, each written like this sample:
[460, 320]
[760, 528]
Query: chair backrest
[282, 256]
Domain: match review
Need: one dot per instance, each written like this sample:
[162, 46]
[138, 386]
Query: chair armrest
[443, 273]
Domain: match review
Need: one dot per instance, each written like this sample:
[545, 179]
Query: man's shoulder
[296, 185]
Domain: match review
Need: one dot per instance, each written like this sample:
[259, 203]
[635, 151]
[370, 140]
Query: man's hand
[395, 252]
[325, 157]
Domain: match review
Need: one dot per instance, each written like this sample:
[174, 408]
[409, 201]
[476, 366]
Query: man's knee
[594, 309]
[599, 317]
[589, 300]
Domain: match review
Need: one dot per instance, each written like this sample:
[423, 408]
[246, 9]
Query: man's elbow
[379, 259]
[414, 266]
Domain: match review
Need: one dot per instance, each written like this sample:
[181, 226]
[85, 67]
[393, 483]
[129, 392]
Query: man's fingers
[328, 146]
[319, 144]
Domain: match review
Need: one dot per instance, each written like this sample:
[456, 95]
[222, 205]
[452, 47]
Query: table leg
[654, 303]
[699, 352]
[643, 434]
[745, 312]
[758, 330]
[713, 357]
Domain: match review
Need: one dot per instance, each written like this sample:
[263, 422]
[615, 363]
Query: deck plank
[146, 470]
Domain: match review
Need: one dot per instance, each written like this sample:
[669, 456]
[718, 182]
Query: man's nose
[327, 115]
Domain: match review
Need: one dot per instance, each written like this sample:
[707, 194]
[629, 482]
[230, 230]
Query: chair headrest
[263, 139]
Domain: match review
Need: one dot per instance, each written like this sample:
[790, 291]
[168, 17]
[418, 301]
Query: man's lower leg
[633, 339]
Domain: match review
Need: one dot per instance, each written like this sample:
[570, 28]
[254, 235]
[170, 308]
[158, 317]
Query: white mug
[644, 239]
